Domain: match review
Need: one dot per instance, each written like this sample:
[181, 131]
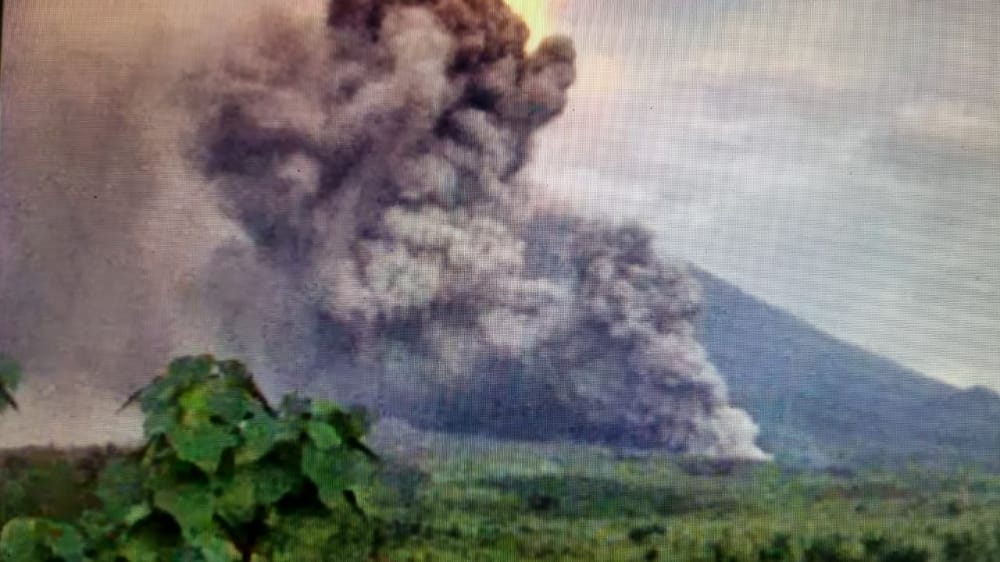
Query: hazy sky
[839, 159]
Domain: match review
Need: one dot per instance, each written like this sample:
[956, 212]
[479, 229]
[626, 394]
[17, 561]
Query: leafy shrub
[721, 551]
[832, 548]
[30, 539]
[778, 550]
[643, 533]
[49, 488]
[222, 477]
[904, 553]
[878, 548]
[963, 547]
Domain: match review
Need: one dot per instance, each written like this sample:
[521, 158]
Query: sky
[838, 159]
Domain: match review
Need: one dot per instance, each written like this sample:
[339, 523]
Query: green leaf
[333, 471]
[181, 374]
[238, 377]
[272, 482]
[191, 368]
[20, 541]
[120, 488]
[158, 395]
[159, 422]
[229, 404]
[195, 403]
[260, 434]
[323, 434]
[350, 426]
[145, 545]
[98, 526]
[190, 504]
[215, 549]
[10, 376]
[238, 500]
[201, 444]
[32, 539]
[137, 551]
[321, 408]
[66, 542]
[10, 372]
[187, 553]
[136, 513]
[260, 485]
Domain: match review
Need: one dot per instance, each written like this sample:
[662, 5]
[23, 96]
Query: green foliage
[502, 501]
[721, 551]
[40, 540]
[10, 377]
[225, 477]
[965, 546]
[778, 550]
[833, 548]
[222, 477]
[879, 548]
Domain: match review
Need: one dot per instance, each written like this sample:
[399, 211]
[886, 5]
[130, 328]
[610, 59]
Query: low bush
[222, 477]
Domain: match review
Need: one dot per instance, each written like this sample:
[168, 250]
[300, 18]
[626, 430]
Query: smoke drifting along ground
[386, 251]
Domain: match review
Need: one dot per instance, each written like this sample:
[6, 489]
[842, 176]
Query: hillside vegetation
[823, 403]
[224, 477]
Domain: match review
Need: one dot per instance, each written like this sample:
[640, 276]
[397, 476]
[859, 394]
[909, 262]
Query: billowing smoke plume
[372, 163]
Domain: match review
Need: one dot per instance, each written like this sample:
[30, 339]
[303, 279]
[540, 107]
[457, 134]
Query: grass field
[468, 499]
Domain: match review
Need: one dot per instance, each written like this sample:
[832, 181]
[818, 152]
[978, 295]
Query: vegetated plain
[456, 498]
[462, 498]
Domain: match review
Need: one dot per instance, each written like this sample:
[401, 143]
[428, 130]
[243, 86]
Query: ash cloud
[391, 259]
[101, 222]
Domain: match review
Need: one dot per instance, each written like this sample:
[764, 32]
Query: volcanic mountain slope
[821, 402]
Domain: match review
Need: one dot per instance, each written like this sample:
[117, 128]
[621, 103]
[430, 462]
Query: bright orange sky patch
[538, 15]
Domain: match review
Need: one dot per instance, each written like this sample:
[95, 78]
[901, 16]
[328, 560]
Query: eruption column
[372, 163]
